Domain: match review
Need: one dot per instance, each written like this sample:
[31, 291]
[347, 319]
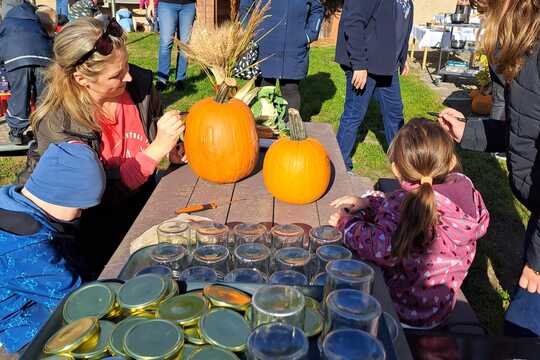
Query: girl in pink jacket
[424, 235]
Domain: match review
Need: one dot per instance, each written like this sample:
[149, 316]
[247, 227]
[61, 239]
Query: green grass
[497, 265]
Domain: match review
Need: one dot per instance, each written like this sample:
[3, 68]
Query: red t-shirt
[123, 142]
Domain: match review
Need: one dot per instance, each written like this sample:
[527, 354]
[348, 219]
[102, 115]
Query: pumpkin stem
[224, 90]
[296, 125]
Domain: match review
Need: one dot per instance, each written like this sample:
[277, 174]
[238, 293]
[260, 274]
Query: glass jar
[288, 235]
[278, 303]
[254, 256]
[324, 235]
[277, 341]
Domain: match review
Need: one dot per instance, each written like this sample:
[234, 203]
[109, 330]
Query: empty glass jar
[348, 274]
[277, 341]
[352, 344]
[288, 277]
[294, 258]
[253, 255]
[212, 256]
[245, 275]
[250, 233]
[324, 235]
[169, 250]
[277, 303]
[288, 235]
[211, 233]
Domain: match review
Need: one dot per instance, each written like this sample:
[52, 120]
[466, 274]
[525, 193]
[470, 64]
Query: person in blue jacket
[38, 224]
[372, 45]
[284, 39]
[25, 50]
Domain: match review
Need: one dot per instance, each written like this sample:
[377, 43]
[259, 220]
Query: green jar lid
[142, 291]
[187, 349]
[116, 341]
[185, 309]
[247, 314]
[154, 339]
[114, 285]
[225, 328]
[313, 322]
[209, 352]
[99, 348]
[94, 299]
[72, 336]
[172, 290]
[193, 335]
[312, 303]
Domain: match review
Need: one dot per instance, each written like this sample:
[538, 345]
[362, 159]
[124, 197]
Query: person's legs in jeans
[185, 24]
[18, 111]
[290, 91]
[354, 110]
[388, 94]
[522, 317]
[168, 20]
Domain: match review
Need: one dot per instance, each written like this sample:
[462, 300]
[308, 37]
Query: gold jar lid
[187, 349]
[155, 339]
[58, 357]
[72, 336]
[225, 328]
[142, 292]
[116, 340]
[209, 352]
[92, 350]
[313, 322]
[184, 310]
[93, 299]
[173, 290]
[312, 303]
[224, 296]
[193, 335]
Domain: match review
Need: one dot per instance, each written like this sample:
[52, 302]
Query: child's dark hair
[423, 153]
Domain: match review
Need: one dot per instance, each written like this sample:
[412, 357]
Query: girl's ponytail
[422, 154]
[418, 220]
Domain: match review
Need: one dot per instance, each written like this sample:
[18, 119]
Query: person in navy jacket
[372, 48]
[25, 50]
[284, 39]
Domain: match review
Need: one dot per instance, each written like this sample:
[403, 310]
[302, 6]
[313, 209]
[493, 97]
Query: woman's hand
[169, 128]
[178, 155]
[529, 280]
[350, 204]
[449, 120]
[151, 9]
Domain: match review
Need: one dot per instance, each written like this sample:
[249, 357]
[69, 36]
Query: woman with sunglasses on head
[512, 43]
[94, 96]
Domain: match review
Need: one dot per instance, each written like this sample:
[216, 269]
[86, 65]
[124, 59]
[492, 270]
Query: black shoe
[16, 139]
[179, 85]
[160, 85]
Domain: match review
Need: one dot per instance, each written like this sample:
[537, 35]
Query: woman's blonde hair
[421, 152]
[512, 30]
[63, 93]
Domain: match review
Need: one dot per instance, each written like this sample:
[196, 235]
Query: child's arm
[370, 235]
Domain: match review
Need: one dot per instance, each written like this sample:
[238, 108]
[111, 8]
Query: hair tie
[426, 180]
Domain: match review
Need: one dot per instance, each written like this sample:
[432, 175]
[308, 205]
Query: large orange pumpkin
[296, 170]
[221, 140]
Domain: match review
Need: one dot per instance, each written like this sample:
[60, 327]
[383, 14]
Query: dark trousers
[386, 91]
[26, 84]
[289, 90]
[523, 315]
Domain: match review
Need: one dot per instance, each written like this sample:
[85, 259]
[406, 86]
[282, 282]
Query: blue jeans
[523, 315]
[173, 18]
[386, 91]
[62, 7]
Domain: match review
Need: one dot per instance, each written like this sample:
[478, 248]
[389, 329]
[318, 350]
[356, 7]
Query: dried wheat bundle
[218, 49]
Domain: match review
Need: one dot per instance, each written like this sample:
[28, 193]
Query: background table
[250, 202]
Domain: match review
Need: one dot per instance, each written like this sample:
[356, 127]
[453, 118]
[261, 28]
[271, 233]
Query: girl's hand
[169, 128]
[448, 118]
[340, 216]
[178, 155]
[151, 9]
[350, 204]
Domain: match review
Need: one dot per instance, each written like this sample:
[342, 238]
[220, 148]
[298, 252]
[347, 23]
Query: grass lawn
[497, 264]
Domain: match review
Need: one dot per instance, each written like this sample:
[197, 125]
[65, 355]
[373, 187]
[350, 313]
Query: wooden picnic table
[248, 201]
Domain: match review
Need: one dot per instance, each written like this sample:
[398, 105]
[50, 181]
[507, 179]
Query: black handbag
[246, 67]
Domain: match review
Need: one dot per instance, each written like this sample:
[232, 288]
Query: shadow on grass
[171, 95]
[315, 90]
[498, 263]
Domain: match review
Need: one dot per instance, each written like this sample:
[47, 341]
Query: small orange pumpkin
[221, 141]
[481, 104]
[296, 170]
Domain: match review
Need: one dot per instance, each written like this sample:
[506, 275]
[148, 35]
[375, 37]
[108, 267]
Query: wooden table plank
[172, 192]
[259, 206]
[340, 183]
[207, 192]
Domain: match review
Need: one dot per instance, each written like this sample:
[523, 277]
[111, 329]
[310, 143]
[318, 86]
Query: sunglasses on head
[104, 44]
